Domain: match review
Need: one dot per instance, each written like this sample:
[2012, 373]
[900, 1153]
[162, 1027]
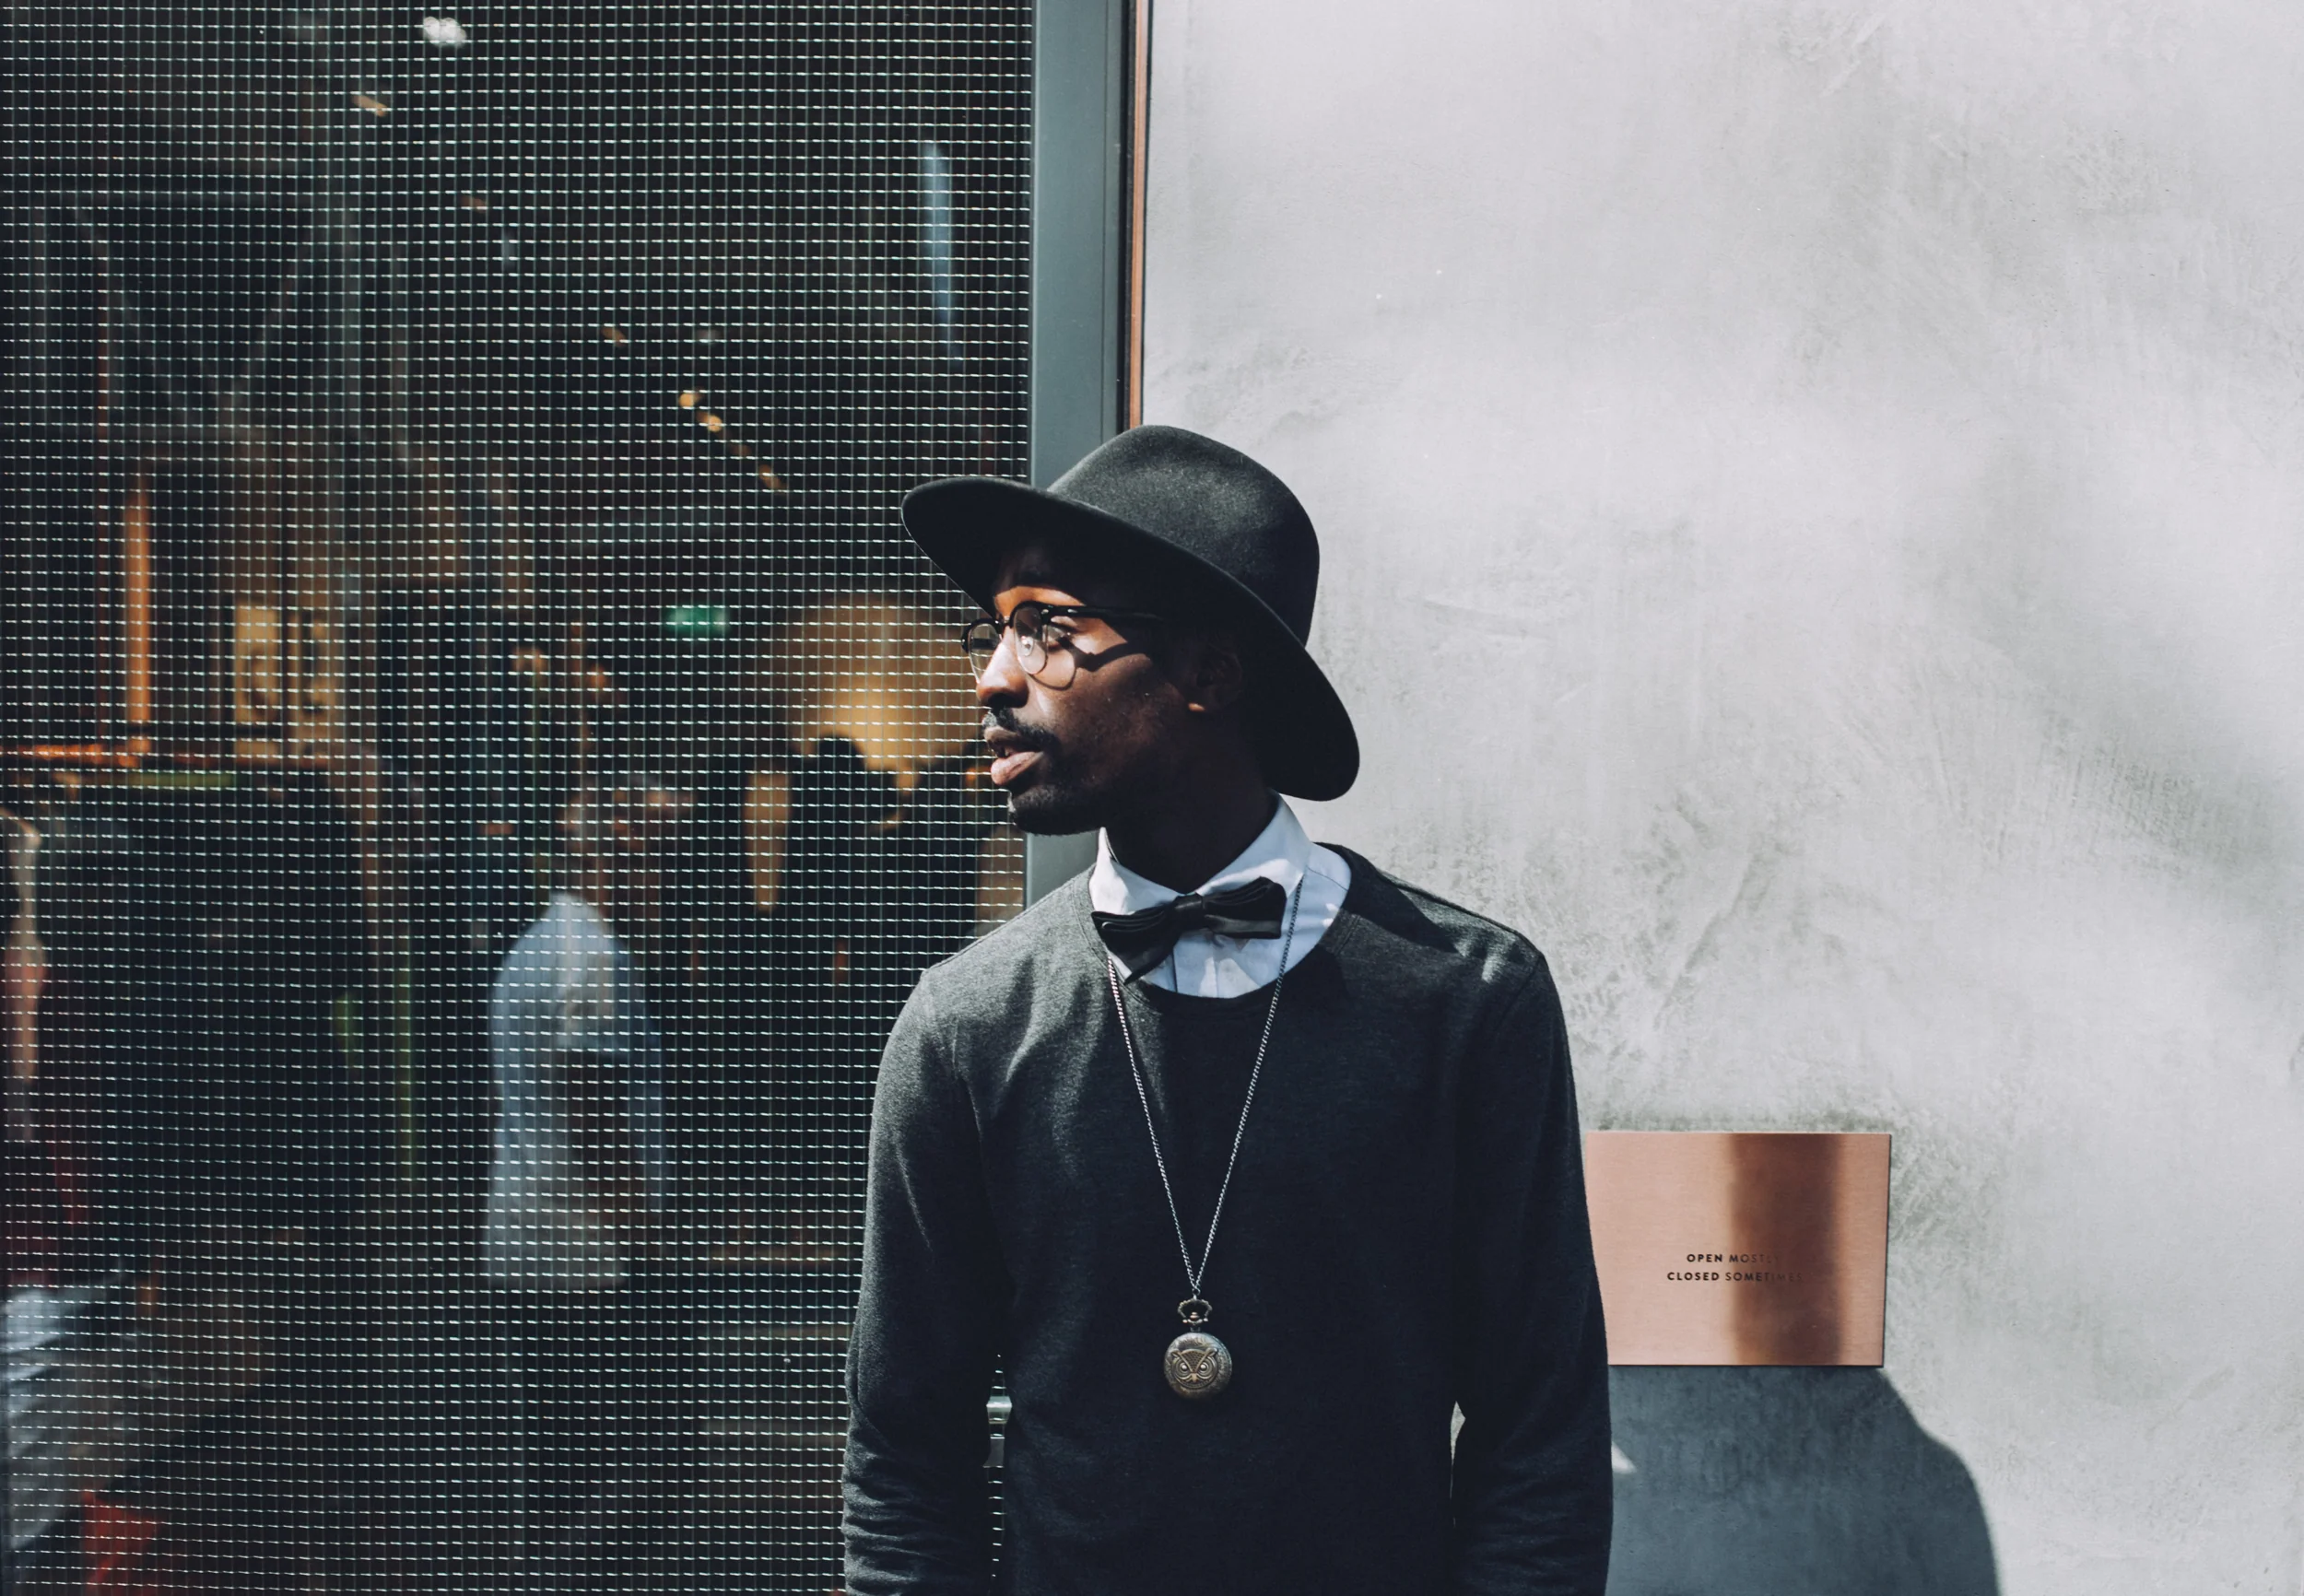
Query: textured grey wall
[1814, 499]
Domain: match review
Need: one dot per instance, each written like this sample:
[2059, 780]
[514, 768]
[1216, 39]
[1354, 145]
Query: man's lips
[1006, 767]
[1012, 754]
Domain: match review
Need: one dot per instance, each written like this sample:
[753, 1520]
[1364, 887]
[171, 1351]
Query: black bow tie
[1140, 941]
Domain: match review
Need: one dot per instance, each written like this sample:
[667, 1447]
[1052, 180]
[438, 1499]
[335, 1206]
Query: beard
[1055, 809]
[1056, 800]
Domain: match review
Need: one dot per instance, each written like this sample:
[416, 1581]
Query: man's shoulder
[1424, 931]
[531, 964]
[1017, 960]
[568, 928]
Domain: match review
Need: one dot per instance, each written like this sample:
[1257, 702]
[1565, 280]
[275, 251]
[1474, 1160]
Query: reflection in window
[479, 767]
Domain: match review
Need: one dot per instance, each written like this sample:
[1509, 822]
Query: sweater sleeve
[918, 1518]
[1533, 1490]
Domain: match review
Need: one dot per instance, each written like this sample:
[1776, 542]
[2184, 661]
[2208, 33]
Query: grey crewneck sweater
[1405, 1234]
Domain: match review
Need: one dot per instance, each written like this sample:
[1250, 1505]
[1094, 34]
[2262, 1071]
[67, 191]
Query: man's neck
[1182, 845]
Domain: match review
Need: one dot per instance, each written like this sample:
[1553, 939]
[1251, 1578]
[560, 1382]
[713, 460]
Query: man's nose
[1003, 680]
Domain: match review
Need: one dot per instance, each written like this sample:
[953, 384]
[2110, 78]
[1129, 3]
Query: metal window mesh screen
[482, 765]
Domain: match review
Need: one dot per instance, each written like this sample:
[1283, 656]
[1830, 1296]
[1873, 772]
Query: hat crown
[1214, 503]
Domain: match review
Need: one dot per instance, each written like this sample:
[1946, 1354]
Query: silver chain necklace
[1197, 1363]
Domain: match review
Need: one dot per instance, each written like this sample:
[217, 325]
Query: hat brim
[968, 524]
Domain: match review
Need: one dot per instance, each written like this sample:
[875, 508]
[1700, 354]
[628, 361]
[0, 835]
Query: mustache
[1029, 737]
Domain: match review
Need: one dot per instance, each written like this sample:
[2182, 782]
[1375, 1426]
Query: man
[579, 1161]
[1330, 1113]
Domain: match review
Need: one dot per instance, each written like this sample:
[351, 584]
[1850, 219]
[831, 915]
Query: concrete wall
[1814, 502]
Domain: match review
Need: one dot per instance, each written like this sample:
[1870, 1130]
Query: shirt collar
[1280, 853]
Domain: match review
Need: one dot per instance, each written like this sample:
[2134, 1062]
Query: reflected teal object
[697, 620]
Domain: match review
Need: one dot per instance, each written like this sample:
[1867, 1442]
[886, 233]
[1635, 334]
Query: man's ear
[1218, 679]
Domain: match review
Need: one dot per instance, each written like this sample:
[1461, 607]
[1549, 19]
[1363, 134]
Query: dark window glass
[480, 765]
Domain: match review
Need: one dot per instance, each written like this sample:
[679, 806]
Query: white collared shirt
[1206, 965]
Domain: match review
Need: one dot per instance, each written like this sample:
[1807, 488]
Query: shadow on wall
[1787, 1482]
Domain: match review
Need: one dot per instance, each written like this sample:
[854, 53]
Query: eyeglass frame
[1003, 625]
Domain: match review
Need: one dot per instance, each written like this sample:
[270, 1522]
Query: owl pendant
[1198, 1365]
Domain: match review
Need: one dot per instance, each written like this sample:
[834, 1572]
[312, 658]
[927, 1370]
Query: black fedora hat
[1187, 513]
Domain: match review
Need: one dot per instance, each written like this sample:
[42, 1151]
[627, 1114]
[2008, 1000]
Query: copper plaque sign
[1741, 1248]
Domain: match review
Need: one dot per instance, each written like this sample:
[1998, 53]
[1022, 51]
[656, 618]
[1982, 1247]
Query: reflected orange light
[136, 602]
[83, 754]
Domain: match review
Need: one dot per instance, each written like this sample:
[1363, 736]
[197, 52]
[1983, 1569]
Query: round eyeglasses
[1043, 638]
